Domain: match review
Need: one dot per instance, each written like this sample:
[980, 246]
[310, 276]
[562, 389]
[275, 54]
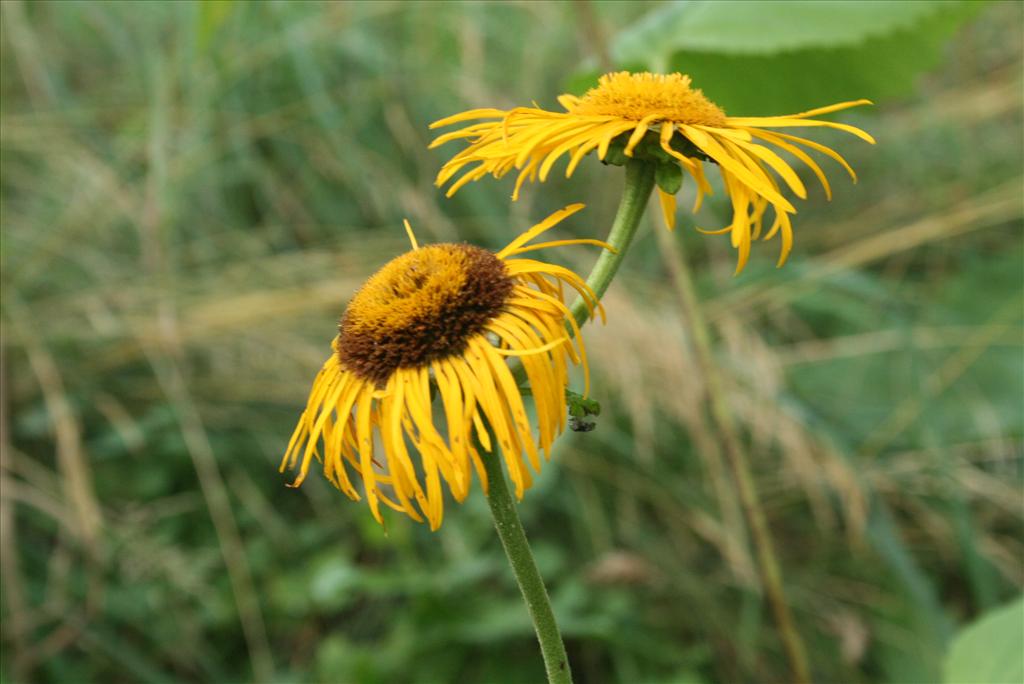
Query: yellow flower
[659, 117]
[441, 320]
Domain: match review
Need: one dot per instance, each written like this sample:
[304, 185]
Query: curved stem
[635, 193]
[517, 548]
[638, 186]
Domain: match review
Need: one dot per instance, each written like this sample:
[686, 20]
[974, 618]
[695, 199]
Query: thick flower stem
[638, 186]
[513, 538]
[635, 193]
[735, 455]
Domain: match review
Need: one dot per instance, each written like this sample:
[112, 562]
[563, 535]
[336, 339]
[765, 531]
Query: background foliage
[192, 191]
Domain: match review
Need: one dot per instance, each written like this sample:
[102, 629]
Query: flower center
[636, 96]
[421, 306]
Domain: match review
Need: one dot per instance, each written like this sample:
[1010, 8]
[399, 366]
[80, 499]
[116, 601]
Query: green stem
[736, 458]
[517, 548]
[638, 186]
[635, 193]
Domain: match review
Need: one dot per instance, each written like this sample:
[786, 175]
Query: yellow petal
[668, 208]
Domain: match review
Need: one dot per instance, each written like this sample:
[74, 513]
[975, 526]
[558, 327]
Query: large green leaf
[989, 650]
[776, 57]
[878, 68]
[764, 27]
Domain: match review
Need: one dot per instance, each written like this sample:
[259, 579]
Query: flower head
[661, 118]
[441, 321]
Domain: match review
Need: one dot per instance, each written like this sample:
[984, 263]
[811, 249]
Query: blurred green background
[191, 193]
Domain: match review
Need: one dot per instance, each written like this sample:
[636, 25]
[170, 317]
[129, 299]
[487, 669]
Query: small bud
[579, 409]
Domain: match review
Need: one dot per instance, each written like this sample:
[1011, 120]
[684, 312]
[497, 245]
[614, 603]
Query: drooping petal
[668, 208]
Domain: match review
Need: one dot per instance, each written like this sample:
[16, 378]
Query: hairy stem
[635, 193]
[736, 458]
[517, 548]
[638, 186]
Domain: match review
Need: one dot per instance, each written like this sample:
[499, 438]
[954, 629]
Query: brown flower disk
[421, 307]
